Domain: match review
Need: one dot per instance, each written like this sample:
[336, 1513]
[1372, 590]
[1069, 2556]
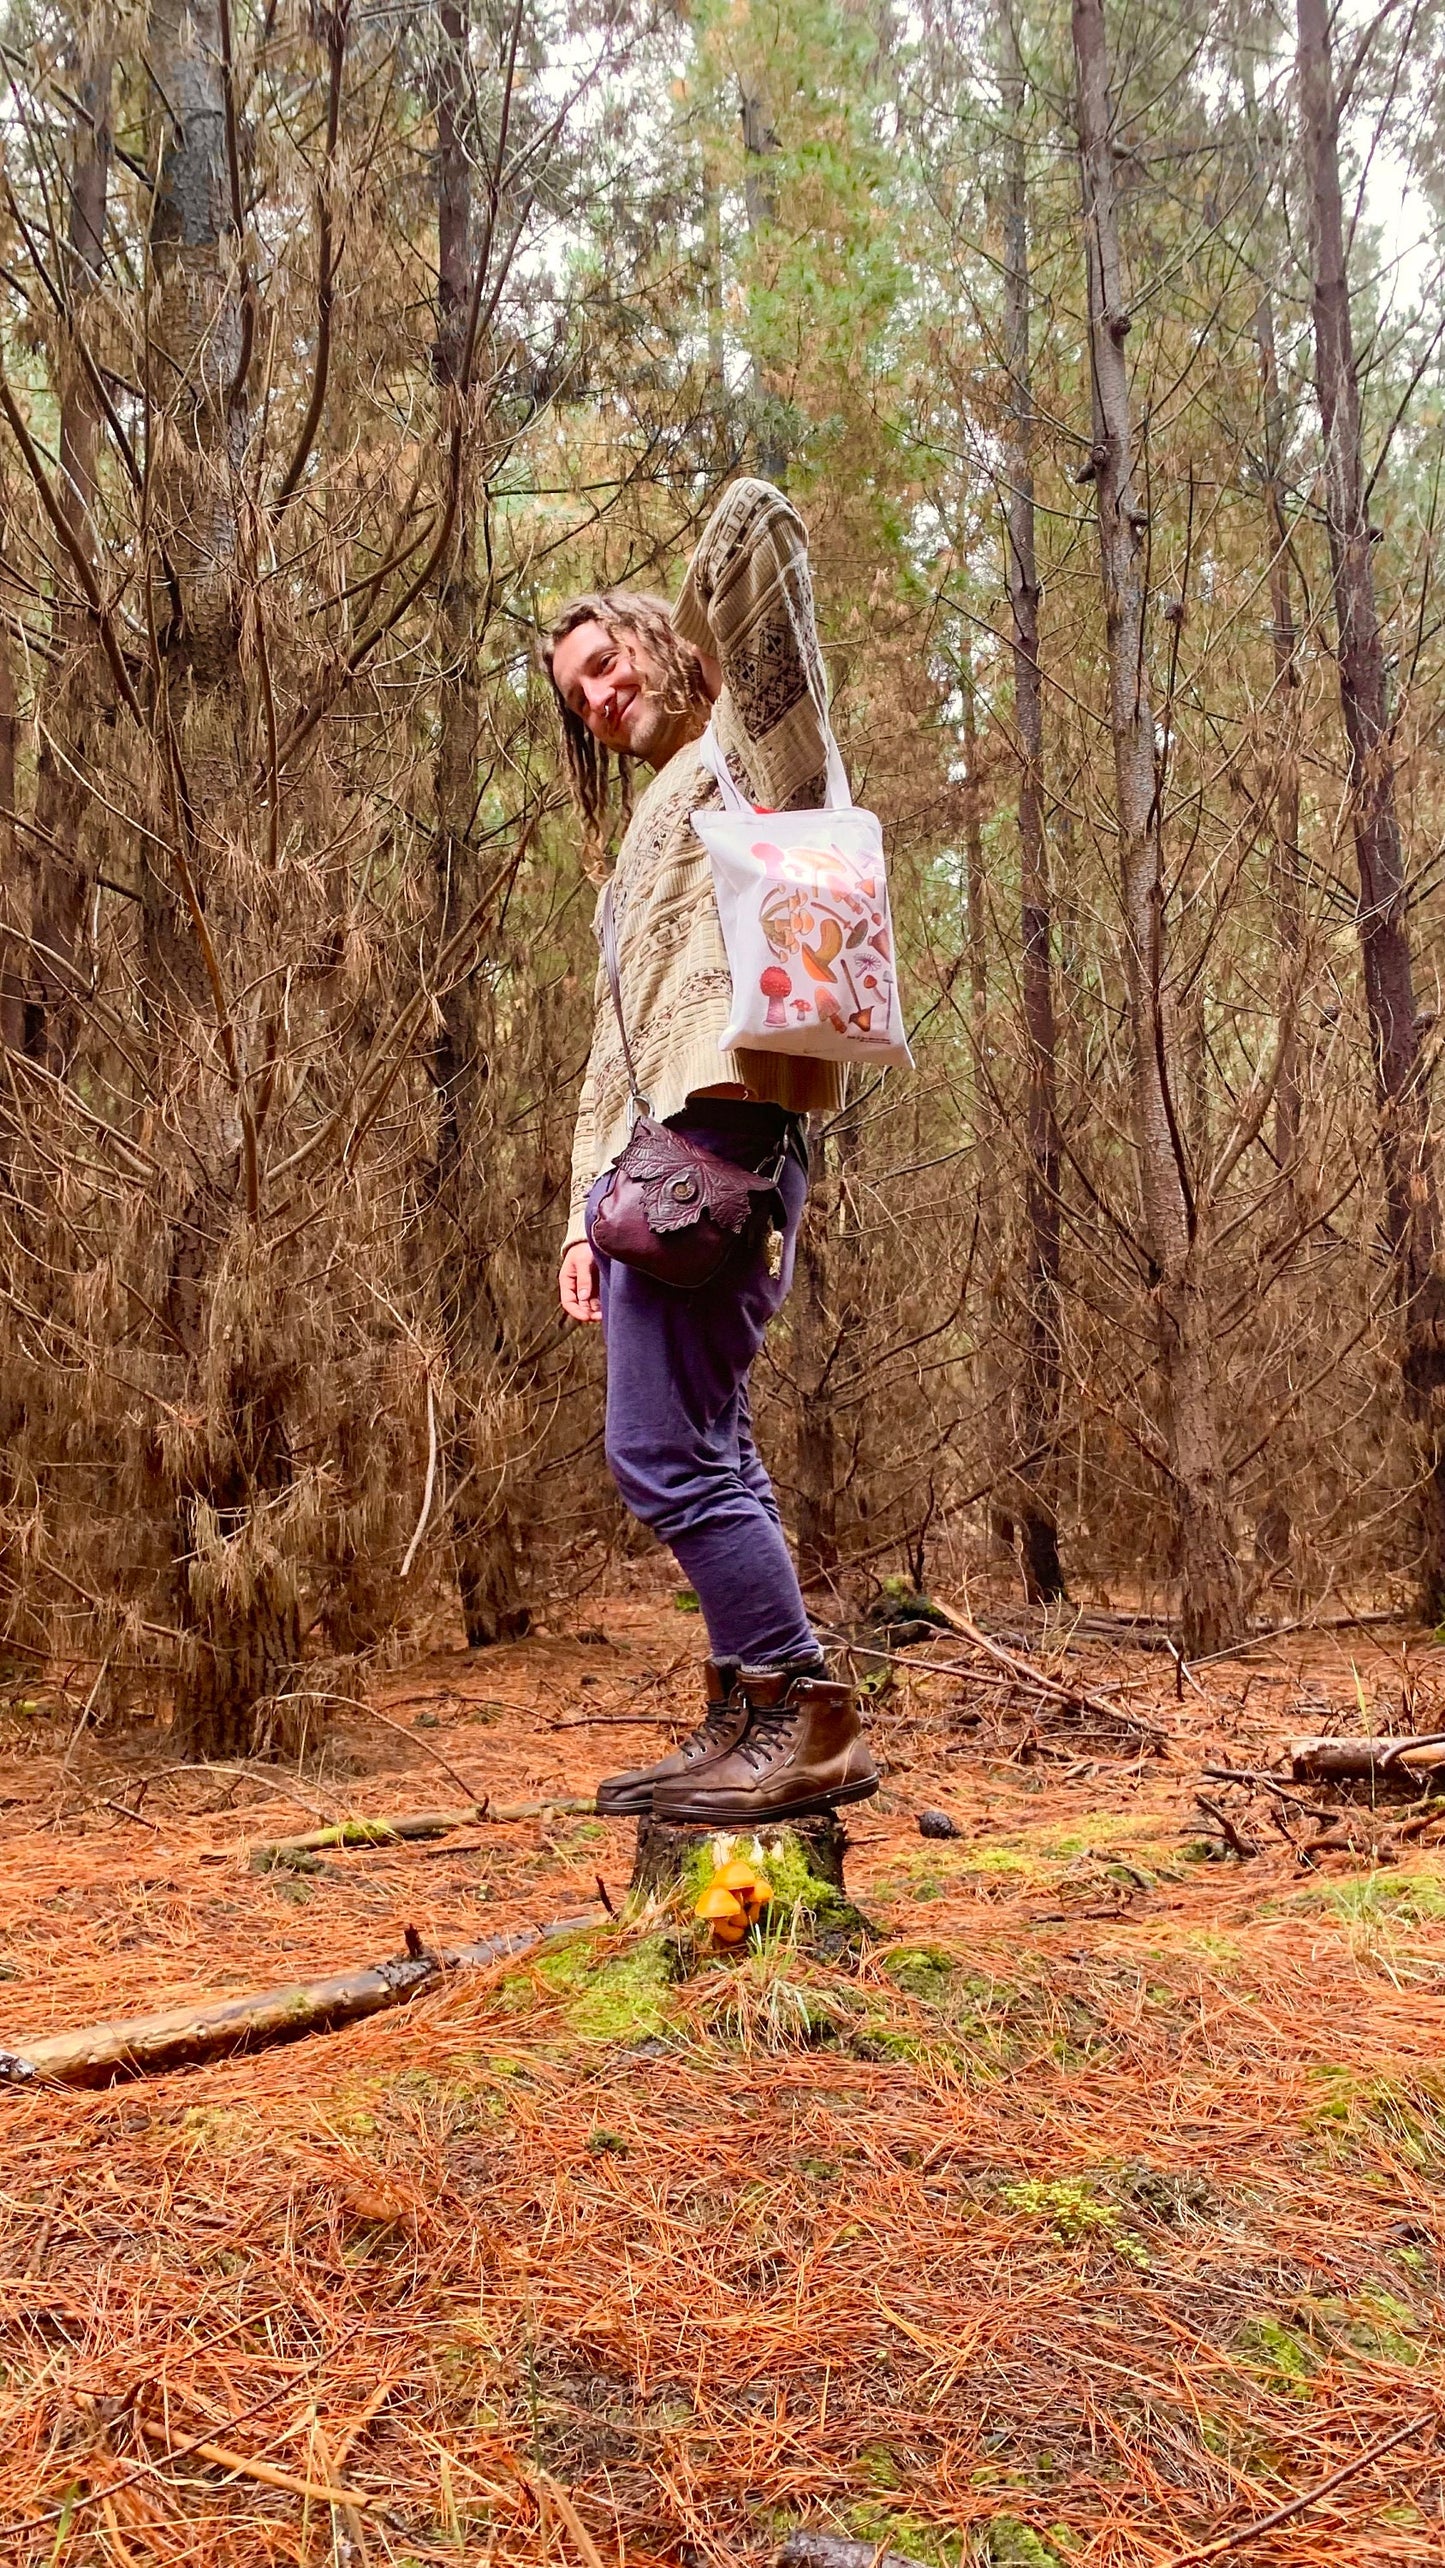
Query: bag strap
[607, 937]
[839, 795]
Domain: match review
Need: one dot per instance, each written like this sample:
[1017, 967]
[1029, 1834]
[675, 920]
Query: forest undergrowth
[1092, 2213]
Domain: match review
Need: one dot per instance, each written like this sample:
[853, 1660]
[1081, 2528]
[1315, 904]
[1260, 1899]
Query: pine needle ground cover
[1091, 2215]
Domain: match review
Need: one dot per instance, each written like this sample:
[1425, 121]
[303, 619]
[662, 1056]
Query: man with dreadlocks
[636, 680]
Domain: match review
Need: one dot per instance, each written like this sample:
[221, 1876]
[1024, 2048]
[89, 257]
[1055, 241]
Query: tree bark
[489, 1539]
[102, 2054]
[236, 1595]
[992, 1368]
[1283, 770]
[760, 142]
[13, 873]
[1280, 793]
[1036, 1424]
[1400, 1764]
[76, 710]
[1411, 1202]
[1211, 1604]
[663, 1850]
[197, 346]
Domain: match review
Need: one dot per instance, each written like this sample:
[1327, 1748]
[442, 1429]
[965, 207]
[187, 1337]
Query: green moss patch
[607, 1992]
[906, 2535]
[1376, 1899]
[1284, 2358]
[1374, 2324]
[803, 1909]
[1074, 2211]
[922, 1970]
[1405, 2116]
[1006, 2543]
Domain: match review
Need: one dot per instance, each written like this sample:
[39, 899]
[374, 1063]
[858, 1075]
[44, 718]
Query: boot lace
[768, 1730]
[709, 1731]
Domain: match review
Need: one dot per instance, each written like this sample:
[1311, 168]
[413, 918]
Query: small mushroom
[777, 989]
[749, 1887]
[724, 1913]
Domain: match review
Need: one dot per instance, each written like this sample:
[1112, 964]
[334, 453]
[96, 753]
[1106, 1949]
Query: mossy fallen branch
[140, 2046]
[400, 1827]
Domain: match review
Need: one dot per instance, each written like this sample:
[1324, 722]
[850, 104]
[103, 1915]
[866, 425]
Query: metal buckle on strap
[637, 1105]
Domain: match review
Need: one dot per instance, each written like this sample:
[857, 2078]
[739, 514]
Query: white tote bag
[803, 900]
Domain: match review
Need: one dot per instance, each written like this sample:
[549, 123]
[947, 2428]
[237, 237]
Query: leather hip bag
[673, 1210]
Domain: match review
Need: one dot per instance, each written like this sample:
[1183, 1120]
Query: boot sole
[714, 1813]
[626, 1805]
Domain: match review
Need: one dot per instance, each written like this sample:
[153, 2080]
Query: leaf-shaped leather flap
[681, 1182]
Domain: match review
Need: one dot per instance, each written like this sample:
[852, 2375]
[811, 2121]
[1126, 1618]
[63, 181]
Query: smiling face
[606, 677]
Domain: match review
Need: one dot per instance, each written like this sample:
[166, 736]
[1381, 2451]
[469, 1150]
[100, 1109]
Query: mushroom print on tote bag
[803, 900]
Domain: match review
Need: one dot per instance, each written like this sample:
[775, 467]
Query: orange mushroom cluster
[734, 1900]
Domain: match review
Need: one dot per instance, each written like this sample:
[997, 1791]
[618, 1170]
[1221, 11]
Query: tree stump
[801, 1858]
[665, 1854]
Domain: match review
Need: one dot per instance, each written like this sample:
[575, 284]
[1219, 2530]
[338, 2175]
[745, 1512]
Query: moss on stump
[802, 1859]
[666, 1855]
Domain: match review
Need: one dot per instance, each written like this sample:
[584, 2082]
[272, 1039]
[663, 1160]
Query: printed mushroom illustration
[777, 990]
[818, 960]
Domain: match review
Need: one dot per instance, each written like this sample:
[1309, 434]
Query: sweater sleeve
[748, 602]
[586, 1140]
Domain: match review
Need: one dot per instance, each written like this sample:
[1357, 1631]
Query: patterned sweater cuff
[689, 619]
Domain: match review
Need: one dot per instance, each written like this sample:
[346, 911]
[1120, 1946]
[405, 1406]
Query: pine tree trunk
[992, 1367]
[489, 1542]
[1037, 1415]
[1280, 793]
[759, 144]
[1411, 1202]
[1283, 778]
[1210, 1586]
[13, 890]
[236, 1598]
[198, 345]
[77, 703]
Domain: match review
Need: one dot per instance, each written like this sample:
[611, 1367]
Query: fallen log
[400, 1827]
[1401, 1764]
[101, 2054]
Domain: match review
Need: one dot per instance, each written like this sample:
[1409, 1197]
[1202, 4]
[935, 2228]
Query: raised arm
[748, 602]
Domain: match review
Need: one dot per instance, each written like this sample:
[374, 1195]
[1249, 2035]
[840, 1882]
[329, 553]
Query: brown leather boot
[629, 1796]
[802, 1751]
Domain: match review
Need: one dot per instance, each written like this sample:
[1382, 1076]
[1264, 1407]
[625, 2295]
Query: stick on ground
[1297, 2505]
[100, 2054]
[1077, 1697]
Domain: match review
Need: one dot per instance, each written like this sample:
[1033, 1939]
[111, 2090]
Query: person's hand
[577, 1283]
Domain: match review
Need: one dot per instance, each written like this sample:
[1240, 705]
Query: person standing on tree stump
[637, 679]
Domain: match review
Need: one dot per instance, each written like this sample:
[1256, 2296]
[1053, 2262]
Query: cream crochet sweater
[748, 602]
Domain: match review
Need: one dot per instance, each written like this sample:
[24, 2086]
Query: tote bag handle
[839, 796]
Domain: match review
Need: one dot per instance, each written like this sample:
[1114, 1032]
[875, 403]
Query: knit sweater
[747, 601]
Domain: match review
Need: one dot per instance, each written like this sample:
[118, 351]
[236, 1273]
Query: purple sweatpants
[679, 1436]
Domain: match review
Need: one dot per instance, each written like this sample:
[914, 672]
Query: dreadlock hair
[680, 687]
